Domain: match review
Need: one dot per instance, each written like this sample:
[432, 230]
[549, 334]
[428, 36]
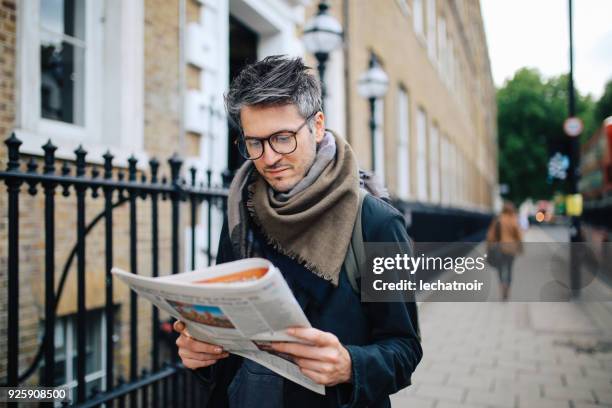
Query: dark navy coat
[381, 338]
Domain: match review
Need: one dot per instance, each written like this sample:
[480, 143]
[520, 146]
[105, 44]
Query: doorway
[242, 51]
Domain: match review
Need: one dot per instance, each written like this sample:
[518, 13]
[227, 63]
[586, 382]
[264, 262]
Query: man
[295, 202]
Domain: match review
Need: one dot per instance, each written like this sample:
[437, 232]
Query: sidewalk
[513, 355]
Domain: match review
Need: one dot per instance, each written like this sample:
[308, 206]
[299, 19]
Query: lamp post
[322, 35]
[574, 170]
[373, 84]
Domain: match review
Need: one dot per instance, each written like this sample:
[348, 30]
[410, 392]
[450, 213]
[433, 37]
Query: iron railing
[165, 381]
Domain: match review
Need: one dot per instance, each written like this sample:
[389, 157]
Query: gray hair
[274, 81]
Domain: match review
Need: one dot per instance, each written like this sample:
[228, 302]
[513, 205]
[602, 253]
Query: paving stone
[536, 378]
[471, 381]
[429, 377]
[567, 393]
[588, 405]
[541, 403]
[604, 396]
[587, 382]
[446, 404]
[411, 401]
[446, 392]
[490, 399]
[598, 373]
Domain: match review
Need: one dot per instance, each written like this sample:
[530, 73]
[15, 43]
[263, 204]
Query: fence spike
[108, 164]
[80, 161]
[49, 149]
[132, 161]
[32, 166]
[13, 144]
[65, 172]
[95, 172]
[192, 171]
[175, 167]
[65, 169]
[154, 165]
[208, 177]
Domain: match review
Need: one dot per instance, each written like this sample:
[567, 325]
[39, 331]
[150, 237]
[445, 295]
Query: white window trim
[419, 15]
[434, 163]
[432, 33]
[422, 155]
[114, 112]
[403, 151]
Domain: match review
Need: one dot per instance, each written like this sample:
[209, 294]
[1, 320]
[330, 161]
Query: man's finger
[312, 335]
[178, 326]
[315, 365]
[197, 346]
[185, 353]
[299, 350]
[195, 364]
[315, 376]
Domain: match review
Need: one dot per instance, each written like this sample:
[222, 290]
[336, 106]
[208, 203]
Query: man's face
[282, 171]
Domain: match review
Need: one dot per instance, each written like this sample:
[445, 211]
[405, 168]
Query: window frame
[422, 193]
[403, 143]
[114, 111]
[434, 163]
[30, 115]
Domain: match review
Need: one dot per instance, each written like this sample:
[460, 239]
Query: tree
[603, 107]
[531, 112]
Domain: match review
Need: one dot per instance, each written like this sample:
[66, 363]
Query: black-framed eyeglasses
[283, 142]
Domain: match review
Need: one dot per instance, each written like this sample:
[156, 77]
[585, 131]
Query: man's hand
[195, 353]
[326, 361]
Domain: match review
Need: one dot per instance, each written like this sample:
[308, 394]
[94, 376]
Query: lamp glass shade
[322, 34]
[373, 83]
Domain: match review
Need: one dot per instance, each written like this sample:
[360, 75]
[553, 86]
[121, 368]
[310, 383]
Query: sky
[535, 33]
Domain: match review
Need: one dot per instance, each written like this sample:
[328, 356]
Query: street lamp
[373, 84]
[322, 35]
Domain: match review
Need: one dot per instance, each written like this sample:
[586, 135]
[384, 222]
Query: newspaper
[241, 306]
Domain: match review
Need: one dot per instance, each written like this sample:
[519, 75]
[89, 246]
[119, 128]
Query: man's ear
[319, 126]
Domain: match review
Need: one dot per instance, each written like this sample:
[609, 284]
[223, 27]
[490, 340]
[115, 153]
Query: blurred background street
[514, 354]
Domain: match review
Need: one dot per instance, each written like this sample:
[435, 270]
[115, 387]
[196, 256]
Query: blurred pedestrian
[505, 235]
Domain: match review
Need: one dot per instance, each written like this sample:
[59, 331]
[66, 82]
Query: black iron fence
[164, 382]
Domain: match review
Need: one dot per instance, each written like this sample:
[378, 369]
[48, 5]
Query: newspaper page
[241, 306]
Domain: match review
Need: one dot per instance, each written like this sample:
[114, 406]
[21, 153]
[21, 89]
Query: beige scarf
[314, 226]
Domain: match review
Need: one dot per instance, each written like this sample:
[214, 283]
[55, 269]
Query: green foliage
[603, 108]
[531, 112]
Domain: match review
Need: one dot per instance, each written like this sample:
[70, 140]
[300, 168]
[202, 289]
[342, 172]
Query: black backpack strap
[355, 255]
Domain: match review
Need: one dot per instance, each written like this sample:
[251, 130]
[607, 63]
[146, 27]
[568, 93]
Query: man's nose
[270, 157]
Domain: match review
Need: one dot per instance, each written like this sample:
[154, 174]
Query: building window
[63, 45]
[434, 164]
[403, 5]
[431, 29]
[403, 138]
[66, 353]
[421, 128]
[80, 76]
[442, 62]
[418, 16]
[454, 177]
[445, 174]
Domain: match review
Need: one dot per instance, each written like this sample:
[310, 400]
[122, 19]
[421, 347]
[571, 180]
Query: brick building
[436, 141]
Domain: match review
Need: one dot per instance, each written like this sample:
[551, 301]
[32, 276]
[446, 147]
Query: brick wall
[162, 126]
